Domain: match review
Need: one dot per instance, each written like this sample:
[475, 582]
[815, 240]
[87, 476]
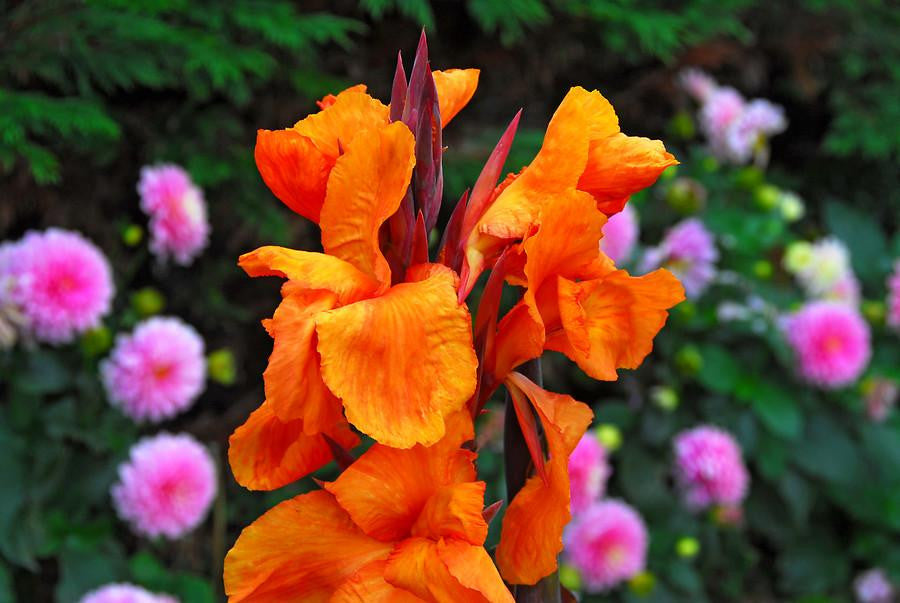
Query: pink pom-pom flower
[893, 299]
[873, 586]
[709, 468]
[179, 227]
[607, 544]
[61, 282]
[588, 472]
[620, 233]
[124, 593]
[759, 120]
[831, 343]
[157, 371]
[689, 251]
[697, 83]
[166, 487]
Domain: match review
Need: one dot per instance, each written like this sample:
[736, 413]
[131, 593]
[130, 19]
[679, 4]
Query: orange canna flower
[397, 525]
[583, 150]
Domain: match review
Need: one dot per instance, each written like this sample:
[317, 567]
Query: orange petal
[454, 511]
[335, 127]
[474, 569]
[416, 565]
[329, 99]
[310, 271]
[365, 189]
[455, 88]
[294, 169]
[301, 550]
[294, 386]
[266, 453]
[367, 585]
[401, 362]
[386, 488]
[533, 525]
[520, 337]
[619, 166]
[616, 316]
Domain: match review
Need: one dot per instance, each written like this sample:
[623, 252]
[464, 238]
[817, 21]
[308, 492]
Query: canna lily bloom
[583, 150]
[397, 525]
[295, 162]
[397, 359]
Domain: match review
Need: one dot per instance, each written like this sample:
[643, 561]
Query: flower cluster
[166, 487]
[179, 227]
[374, 334]
[688, 250]
[709, 468]
[823, 270]
[55, 285]
[736, 129]
[124, 593]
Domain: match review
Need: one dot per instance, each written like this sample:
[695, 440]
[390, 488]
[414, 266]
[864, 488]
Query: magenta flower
[688, 250]
[588, 472]
[709, 468]
[61, 282]
[178, 223]
[607, 544]
[166, 487]
[893, 299]
[620, 233]
[722, 109]
[759, 120]
[157, 371]
[830, 341]
[124, 593]
[873, 586]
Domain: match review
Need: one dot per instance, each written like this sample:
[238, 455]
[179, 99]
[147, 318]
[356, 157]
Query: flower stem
[518, 469]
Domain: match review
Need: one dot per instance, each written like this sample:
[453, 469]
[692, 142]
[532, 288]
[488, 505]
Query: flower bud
[569, 577]
[791, 207]
[762, 269]
[148, 301]
[767, 197]
[132, 235]
[689, 360]
[874, 311]
[664, 397]
[687, 547]
[220, 366]
[610, 437]
[96, 341]
[642, 584]
[797, 256]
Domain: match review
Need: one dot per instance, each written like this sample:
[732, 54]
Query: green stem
[518, 469]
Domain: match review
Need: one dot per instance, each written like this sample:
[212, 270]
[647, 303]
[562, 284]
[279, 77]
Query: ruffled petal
[609, 323]
[329, 99]
[301, 550]
[401, 362]
[367, 585]
[619, 166]
[474, 569]
[334, 128]
[266, 453]
[294, 386]
[294, 169]
[310, 270]
[531, 537]
[454, 511]
[455, 88]
[367, 184]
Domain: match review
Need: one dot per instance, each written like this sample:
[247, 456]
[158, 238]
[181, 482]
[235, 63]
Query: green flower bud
[687, 547]
[642, 584]
[682, 126]
[148, 301]
[763, 269]
[132, 235]
[767, 196]
[791, 207]
[569, 577]
[874, 311]
[686, 195]
[689, 360]
[797, 256]
[749, 178]
[609, 436]
[664, 397]
[96, 341]
[221, 367]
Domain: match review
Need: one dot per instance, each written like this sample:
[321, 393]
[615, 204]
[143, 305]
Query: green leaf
[826, 451]
[84, 567]
[720, 371]
[6, 585]
[777, 409]
[863, 237]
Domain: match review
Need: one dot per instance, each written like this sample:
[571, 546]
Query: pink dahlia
[166, 486]
[830, 341]
[759, 120]
[620, 233]
[719, 112]
[689, 251]
[157, 371]
[178, 223]
[873, 586]
[607, 544]
[709, 468]
[63, 284]
[124, 593]
[588, 472]
[893, 300]
[697, 83]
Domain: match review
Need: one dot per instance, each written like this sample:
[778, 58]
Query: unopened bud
[220, 365]
[96, 341]
[610, 437]
[664, 397]
[689, 360]
[767, 197]
[148, 301]
[642, 583]
[687, 547]
[132, 235]
[569, 577]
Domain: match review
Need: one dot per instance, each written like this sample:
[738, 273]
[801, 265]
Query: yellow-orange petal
[619, 166]
[335, 127]
[368, 585]
[266, 453]
[294, 169]
[366, 186]
[401, 362]
[385, 489]
[617, 315]
[455, 88]
[454, 511]
[310, 270]
[531, 537]
[294, 386]
[329, 99]
[300, 550]
[416, 565]
[474, 569]
[520, 338]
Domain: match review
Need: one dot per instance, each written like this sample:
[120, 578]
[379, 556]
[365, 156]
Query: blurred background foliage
[92, 90]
